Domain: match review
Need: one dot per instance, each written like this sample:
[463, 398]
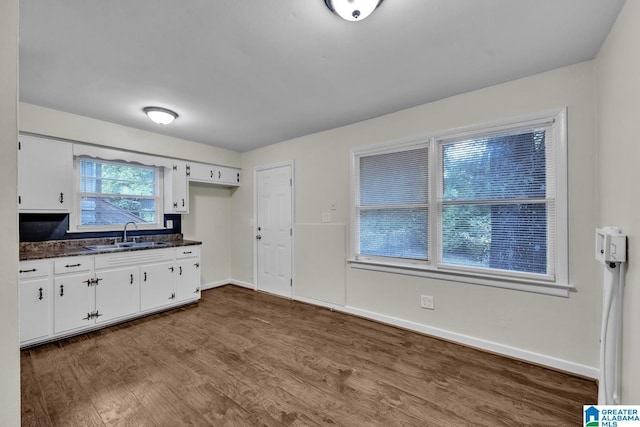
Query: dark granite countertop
[78, 247]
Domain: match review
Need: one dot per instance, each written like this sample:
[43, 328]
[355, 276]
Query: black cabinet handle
[61, 290]
[219, 174]
[28, 271]
[73, 265]
[145, 276]
[186, 252]
[61, 198]
[131, 281]
[171, 268]
[183, 203]
[180, 269]
[197, 264]
[196, 291]
[40, 294]
[211, 174]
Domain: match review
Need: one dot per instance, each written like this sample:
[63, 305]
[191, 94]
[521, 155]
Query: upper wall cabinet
[45, 175]
[213, 174]
[176, 190]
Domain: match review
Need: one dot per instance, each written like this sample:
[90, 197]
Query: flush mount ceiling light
[352, 10]
[160, 115]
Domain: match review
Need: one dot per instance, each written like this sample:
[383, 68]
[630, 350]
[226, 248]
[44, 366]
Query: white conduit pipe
[613, 287]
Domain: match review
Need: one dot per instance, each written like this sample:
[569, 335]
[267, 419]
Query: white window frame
[556, 284]
[75, 215]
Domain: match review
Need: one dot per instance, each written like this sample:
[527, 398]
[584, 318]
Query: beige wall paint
[618, 71]
[561, 328]
[49, 122]
[208, 221]
[9, 350]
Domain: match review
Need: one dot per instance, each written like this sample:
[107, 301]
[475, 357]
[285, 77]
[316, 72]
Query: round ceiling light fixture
[161, 116]
[352, 10]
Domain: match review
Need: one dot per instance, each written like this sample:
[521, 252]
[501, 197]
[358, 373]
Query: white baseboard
[482, 344]
[212, 285]
[242, 284]
[494, 347]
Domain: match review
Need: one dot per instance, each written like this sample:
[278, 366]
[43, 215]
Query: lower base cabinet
[73, 301]
[56, 301]
[117, 293]
[34, 309]
[157, 286]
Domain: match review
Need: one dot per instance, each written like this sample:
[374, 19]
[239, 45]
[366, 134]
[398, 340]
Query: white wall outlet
[326, 217]
[333, 205]
[426, 301]
[169, 223]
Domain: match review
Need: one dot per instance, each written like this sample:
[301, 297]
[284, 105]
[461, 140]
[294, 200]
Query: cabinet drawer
[73, 264]
[187, 251]
[31, 269]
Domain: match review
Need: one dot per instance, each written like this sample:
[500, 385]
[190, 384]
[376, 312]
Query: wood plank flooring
[244, 358]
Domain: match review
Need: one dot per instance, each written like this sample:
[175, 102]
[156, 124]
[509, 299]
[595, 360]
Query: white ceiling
[244, 73]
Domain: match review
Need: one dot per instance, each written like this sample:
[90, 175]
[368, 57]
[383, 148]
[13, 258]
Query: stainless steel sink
[125, 245]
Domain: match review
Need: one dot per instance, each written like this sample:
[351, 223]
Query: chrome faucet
[124, 237]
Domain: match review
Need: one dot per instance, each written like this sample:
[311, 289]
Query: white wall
[49, 122]
[208, 221]
[618, 71]
[210, 205]
[9, 350]
[559, 331]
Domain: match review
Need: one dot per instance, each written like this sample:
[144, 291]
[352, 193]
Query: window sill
[533, 286]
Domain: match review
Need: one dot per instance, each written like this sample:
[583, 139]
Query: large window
[114, 193]
[487, 203]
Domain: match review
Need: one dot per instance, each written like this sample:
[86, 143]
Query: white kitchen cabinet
[117, 293]
[212, 174]
[157, 285]
[35, 300]
[66, 296]
[45, 175]
[188, 273]
[176, 188]
[73, 302]
[201, 172]
[227, 176]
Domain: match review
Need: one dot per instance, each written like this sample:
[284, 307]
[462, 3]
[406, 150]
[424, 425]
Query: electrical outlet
[326, 217]
[426, 301]
[332, 205]
[170, 223]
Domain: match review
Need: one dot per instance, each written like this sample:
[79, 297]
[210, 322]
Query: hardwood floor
[244, 358]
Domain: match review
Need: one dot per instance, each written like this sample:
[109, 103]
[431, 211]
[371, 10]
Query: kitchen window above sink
[110, 194]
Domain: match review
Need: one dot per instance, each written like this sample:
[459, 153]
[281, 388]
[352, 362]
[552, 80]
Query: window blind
[496, 201]
[392, 208]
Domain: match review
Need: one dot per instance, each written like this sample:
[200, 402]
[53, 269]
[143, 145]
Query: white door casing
[274, 230]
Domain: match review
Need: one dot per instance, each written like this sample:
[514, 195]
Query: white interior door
[274, 230]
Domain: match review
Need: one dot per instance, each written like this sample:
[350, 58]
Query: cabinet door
[188, 279]
[34, 309]
[176, 188]
[73, 302]
[201, 172]
[45, 175]
[117, 293]
[157, 285]
[227, 176]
